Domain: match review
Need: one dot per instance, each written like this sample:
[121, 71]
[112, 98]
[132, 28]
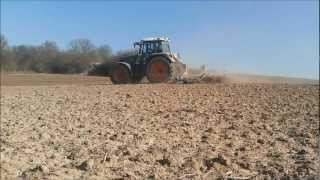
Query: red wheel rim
[159, 71]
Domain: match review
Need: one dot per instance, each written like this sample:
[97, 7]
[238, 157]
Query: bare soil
[77, 127]
[38, 79]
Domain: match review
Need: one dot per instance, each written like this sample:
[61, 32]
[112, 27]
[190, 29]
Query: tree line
[79, 57]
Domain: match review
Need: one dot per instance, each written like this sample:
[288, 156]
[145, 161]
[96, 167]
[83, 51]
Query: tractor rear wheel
[159, 69]
[121, 75]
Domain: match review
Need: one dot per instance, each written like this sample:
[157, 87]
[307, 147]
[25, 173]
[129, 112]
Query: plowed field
[75, 127]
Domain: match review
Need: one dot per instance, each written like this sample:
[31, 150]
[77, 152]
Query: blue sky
[261, 37]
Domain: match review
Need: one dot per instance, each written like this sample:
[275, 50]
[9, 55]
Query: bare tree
[4, 42]
[82, 46]
[48, 58]
[25, 56]
[104, 52]
[7, 61]
[46, 53]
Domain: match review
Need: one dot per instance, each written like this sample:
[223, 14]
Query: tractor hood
[176, 56]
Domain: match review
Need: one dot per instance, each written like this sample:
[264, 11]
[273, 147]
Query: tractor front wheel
[121, 75]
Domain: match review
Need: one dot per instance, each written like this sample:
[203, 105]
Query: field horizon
[30, 78]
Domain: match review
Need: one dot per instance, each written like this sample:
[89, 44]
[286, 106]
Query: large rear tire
[160, 70]
[121, 75]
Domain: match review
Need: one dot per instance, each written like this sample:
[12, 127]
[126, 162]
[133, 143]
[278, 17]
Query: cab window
[165, 47]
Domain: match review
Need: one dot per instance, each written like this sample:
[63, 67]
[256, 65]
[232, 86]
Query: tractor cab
[153, 45]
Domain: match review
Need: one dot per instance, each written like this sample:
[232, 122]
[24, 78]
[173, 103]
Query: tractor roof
[156, 39]
[152, 40]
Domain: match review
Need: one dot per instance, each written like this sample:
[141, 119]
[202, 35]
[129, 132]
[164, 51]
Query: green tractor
[152, 58]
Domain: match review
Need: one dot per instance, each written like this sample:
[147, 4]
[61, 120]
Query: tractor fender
[170, 59]
[125, 64]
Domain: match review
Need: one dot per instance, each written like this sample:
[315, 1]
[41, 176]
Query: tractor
[152, 58]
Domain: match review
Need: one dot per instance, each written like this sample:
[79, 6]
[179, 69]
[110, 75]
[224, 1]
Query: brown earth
[75, 127]
[37, 79]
